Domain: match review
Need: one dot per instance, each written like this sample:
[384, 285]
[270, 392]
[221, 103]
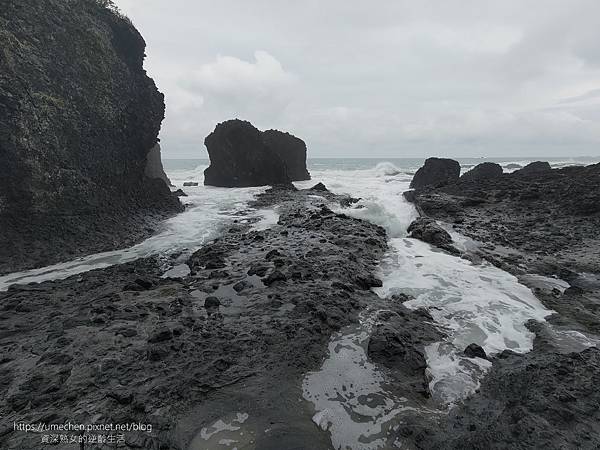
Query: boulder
[154, 166]
[239, 157]
[483, 171]
[291, 150]
[427, 230]
[319, 187]
[436, 172]
[535, 167]
[475, 351]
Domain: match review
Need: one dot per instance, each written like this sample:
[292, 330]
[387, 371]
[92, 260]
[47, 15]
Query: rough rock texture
[427, 230]
[291, 150]
[536, 166]
[543, 227]
[435, 172]
[154, 167]
[398, 342]
[241, 156]
[79, 115]
[483, 170]
[122, 344]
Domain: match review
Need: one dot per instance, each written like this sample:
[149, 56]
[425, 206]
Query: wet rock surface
[435, 172]
[79, 118]
[540, 224]
[124, 344]
[398, 342]
[427, 230]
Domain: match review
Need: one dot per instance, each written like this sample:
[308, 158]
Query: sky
[380, 78]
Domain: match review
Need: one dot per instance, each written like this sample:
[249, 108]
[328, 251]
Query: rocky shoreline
[123, 344]
[540, 225]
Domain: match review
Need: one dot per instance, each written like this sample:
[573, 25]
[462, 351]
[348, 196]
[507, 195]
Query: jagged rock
[535, 167]
[427, 230]
[154, 166]
[291, 150]
[436, 172]
[79, 116]
[239, 157]
[482, 171]
[180, 193]
[475, 351]
[319, 187]
[212, 302]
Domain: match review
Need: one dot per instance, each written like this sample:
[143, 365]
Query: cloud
[589, 95]
[459, 77]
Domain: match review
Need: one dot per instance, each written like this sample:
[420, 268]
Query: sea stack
[436, 172]
[79, 119]
[243, 156]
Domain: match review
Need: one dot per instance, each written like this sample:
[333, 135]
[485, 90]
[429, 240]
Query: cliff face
[79, 116]
[291, 150]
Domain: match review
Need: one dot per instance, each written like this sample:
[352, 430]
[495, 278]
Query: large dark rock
[427, 230]
[239, 157]
[535, 167]
[436, 172]
[481, 171]
[291, 150]
[79, 116]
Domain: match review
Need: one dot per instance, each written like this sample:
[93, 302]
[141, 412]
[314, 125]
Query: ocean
[473, 303]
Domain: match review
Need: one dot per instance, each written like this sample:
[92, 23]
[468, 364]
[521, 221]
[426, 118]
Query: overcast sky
[380, 78]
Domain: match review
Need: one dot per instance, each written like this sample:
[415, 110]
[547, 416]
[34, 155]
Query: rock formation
[154, 167]
[534, 167]
[79, 116]
[241, 156]
[435, 172]
[291, 150]
[483, 170]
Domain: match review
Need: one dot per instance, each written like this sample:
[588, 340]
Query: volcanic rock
[535, 167]
[483, 170]
[291, 150]
[427, 230]
[436, 172]
[79, 118]
[239, 157]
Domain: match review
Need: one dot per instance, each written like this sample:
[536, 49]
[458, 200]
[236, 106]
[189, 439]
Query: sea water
[478, 304]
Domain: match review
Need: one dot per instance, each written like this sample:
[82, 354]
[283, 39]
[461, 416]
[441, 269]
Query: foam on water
[478, 304]
[473, 303]
[208, 210]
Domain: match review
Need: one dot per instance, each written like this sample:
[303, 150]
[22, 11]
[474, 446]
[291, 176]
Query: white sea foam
[209, 209]
[474, 303]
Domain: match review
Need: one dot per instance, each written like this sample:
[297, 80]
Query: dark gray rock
[239, 157]
[190, 183]
[535, 167]
[482, 171]
[475, 351]
[291, 150]
[427, 230]
[319, 187]
[212, 302]
[79, 116]
[180, 193]
[436, 172]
